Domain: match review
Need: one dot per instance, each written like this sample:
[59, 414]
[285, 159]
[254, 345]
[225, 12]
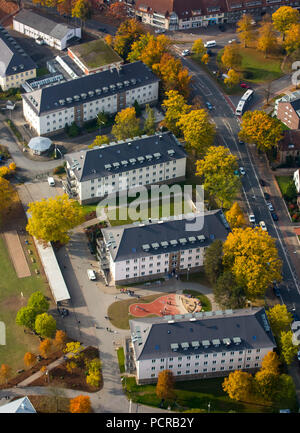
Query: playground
[163, 306]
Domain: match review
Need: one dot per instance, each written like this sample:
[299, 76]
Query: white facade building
[15, 65]
[49, 109]
[124, 165]
[35, 26]
[200, 345]
[156, 249]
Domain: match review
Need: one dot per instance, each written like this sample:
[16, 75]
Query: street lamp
[187, 273]
[208, 407]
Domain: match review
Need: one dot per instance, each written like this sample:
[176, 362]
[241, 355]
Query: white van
[209, 44]
[91, 274]
[51, 181]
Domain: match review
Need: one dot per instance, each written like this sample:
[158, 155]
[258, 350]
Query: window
[230, 360]
[178, 373]
[187, 371]
[223, 353]
[222, 368]
[188, 364]
[162, 360]
[215, 354]
[249, 351]
[247, 365]
[188, 357]
[204, 370]
[213, 369]
[179, 359]
[257, 357]
[248, 359]
[231, 353]
[196, 371]
[214, 362]
[205, 362]
[196, 363]
[153, 360]
[223, 360]
[240, 359]
[257, 350]
[170, 366]
[179, 365]
[153, 368]
[206, 355]
[170, 359]
[197, 356]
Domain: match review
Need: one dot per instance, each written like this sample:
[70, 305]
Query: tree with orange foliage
[80, 404]
[64, 7]
[173, 75]
[165, 385]
[118, 10]
[29, 359]
[60, 339]
[45, 347]
[5, 373]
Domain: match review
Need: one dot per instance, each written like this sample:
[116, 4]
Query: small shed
[39, 145]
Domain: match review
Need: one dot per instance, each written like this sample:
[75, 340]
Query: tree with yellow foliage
[252, 257]
[198, 130]
[198, 47]
[245, 29]
[94, 375]
[81, 9]
[5, 373]
[126, 124]
[261, 129]
[109, 40]
[217, 168]
[266, 384]
[74, 348]
[267, 40]
[6, 196]
[165, 385]
[51, 219]
[235, 216]
[175, 106]
[271, 362]
[239, 385]
[70, 366]
[99, 140]
[128, 32]
[292, 38]
[205, 59]
[280, 319]
[149, 49]
[4, 171]
[284, 17]
[64, 7]
[80, 404]
[231, 57]
[29, 359]
[233, 78]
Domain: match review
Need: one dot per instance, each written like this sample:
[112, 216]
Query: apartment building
[15, 65]
[94, 56]
[200, 345]
[180, 15]
[49, 109]
[288, 148]
[124, 165]
[56, 35]
[155, 249]
[287, 109]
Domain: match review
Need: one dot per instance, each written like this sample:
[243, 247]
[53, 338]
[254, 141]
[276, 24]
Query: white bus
[247, 96]
[240, 108]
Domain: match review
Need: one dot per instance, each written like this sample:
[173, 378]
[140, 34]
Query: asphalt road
[228, 127]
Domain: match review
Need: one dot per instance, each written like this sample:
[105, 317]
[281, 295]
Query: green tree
[227, 293]
[26, 317]
[198, 130]
[102, 119]
[149, 125]
[73, 130]
[137, 107]
[213, 260]
[126, 124]
[6, 197]
[45, 325]
[266, 384]
[51, 219]
[284, 17]
[217, 168]
[285, 389]
[39, 302]
[287, 348]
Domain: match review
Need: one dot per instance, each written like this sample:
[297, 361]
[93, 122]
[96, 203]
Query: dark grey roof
[13, 59]
[296, 106]
[54, 97]
[91, 163]
[42, 24]
[130, 239]
[154, 336]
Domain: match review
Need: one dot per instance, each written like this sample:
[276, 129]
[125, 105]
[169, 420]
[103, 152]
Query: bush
[73, 130]
[248, 74]
[59, 170]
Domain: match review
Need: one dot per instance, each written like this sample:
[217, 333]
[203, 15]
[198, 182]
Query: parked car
[241, 142]
[222, 28]
[276, 290]
[231, 41]
[262, 182]
[252, 218]
[296, 318]
[266, 195]
[185, 53]
[245, 86]
[209, 106]
[91, 274]
[209, 52]
[51, 181]
[242, 171]
[274, 216]
[263, 226]
[270, 206]
[298, 355]
[158, 31]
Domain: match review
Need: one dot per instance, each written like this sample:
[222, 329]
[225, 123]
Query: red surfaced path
[163, 306]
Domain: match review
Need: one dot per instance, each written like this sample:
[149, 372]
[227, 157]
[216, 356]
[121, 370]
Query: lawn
[11, 300]
[118, 311]
[283, 182]
[194, 394]
[121, 359]
[50, 403]
[205, 302]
